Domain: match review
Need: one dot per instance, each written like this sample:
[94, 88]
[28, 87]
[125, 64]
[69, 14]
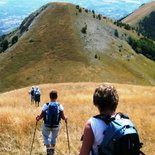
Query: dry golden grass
[17, 116]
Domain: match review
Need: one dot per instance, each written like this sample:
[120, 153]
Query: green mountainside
[62, 42]
[143, 19]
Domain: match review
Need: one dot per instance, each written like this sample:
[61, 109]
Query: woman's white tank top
[98, 127]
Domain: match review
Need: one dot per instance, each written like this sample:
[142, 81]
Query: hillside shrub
[116, 33]
[86, 10]
[84, 29]
[1, 50]
[23, 29]
[80, 10]
[99, 16]
[96, 56]
[93, 11]
[126, 26]
[14, 39]
[4, 45]
[77, 6]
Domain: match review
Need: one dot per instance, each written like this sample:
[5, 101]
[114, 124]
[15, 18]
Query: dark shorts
[37, 97]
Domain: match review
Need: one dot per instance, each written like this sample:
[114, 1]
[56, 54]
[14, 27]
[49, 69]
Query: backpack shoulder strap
[58, 103]
[106, 118]
[47, 103]
[122, 115]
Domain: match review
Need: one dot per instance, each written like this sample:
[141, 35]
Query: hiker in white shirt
[105, 99]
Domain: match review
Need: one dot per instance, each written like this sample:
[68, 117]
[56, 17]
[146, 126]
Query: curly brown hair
[105, 97]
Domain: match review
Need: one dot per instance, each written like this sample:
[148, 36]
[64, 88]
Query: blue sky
[12, 12]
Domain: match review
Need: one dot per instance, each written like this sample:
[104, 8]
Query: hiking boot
[50, 151]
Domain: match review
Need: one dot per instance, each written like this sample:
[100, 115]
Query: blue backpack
[120, 137]
[51, 115]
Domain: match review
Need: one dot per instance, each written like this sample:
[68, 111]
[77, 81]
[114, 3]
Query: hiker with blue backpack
[109, 133]
[37, 94]
[52, 113]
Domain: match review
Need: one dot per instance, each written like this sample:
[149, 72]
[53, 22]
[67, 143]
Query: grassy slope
[139, 14]
[54, 50]
[17, 116]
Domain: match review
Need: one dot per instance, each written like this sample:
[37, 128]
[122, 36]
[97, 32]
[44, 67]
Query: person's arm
[63, 116]
[88, 139]
[39, 117]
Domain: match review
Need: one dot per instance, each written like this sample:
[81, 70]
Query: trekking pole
[33, 137]
[67, 137]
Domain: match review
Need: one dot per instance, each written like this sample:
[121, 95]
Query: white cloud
[102, 2]
[2, 2]
[117, 1]
[132, 1]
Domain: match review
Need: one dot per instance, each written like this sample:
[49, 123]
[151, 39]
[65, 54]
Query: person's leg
[50, 151]
[46, 132]
[32, 99]
[35, 99]
[54, 138]
[38, 100]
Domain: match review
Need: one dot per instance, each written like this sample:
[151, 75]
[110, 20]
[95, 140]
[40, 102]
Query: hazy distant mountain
[12, 12]
[62, 42]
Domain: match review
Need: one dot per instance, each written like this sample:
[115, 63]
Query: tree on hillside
[84, 29]
[77, 6]
[93, 11]
[80, 10]
[147, 26]
[4, 45]
[86, 10]
[144, 46]
[116, 33]
[14, 39]
[99, 16]
[126, 26]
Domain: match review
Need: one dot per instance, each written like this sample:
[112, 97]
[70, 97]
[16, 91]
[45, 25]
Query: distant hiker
[37, 93]
[31, 92]
[52, 113]
[109, 133]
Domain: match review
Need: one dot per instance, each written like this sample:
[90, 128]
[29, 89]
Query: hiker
[52, 113]
[31, 92]
[95, 138]
[37, 93]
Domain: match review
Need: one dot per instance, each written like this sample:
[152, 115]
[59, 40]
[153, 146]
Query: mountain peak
[68, 43]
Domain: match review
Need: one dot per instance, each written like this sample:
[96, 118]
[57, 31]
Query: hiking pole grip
[67, 137]
[33, 137]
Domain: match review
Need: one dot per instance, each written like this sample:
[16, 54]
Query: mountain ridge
[53, 49]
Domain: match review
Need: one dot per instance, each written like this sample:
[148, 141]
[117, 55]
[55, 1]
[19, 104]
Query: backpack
[51, 115]
[120, 137]
[32, 92]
